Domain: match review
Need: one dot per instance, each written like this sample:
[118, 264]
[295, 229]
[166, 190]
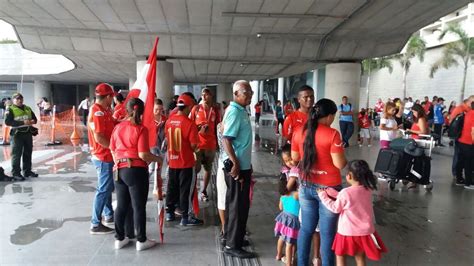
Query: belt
[128, 161]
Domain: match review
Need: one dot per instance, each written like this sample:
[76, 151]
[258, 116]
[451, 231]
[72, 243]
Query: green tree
[416, 47]
[462, 49]
[373, 64]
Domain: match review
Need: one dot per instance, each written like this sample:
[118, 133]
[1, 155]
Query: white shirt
[84, 105]
[388, 135]
[407, 108]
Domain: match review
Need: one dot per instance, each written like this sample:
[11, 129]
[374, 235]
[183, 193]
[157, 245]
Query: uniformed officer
[21, 118]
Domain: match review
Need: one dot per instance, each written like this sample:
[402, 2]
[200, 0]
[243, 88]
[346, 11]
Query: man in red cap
[100, 127]
[182, 138]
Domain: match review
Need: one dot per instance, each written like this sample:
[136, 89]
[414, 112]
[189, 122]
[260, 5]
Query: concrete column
[92, 91]
[260, 90]
[343, 79]
[315, 83]
[131, 81]
[281, 90]
[164, 79]
[41, 89]
[224, 92]
[254, 84]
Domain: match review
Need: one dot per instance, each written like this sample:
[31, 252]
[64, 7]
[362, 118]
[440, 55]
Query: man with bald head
[237, 142]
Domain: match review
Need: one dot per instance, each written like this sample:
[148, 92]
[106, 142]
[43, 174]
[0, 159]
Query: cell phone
[228, 164]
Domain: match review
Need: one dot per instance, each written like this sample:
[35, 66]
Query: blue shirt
[290, 205]
[345, 108]
[438, 114]
[237, 128]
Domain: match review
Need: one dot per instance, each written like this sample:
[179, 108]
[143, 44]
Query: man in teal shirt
[237, 143]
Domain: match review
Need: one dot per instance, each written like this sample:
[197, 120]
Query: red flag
[144, 88]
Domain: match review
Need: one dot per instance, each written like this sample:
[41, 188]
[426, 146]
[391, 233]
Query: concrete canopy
[216, 40]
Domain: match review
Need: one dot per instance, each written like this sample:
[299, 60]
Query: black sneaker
[101, 230]
[460, 182]
[191, 221]
[18, 177]
[239, 253]
[31, 174]
[170, 217]
[109, 222]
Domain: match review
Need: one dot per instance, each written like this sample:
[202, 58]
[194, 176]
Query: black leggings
[466, 162]
[132, 191]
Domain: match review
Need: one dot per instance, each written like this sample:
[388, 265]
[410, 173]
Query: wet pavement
[46, 220]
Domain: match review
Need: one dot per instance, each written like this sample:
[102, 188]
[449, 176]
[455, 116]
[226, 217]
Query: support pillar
[281, 90]
[92, 91]
[164, 79]
[41, 89]
[343, 79]
[315, 84]
[224, 93]
[131, 81]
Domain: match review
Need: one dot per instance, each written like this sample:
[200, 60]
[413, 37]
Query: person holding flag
[182, 138]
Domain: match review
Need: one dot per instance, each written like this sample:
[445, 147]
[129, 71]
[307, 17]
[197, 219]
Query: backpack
[455, 128]
[342, 107]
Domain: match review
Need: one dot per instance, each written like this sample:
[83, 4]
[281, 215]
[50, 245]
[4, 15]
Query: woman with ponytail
[131, 152]
[319, 150]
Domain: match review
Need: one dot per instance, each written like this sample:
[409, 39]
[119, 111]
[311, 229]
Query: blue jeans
[103, 195]
[312, 213]
[347, 129]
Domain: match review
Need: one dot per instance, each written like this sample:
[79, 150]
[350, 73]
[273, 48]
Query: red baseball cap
[104, 89]
[185, 100]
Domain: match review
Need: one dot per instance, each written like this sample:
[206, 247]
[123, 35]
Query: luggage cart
[396, 165]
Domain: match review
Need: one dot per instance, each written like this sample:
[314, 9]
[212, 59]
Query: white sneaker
[469, 187]
[370, 145]
[120, 244]
[145, 245]
[360, 145]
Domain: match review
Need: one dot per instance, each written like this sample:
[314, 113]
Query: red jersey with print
[100, 121]
[120, 112]
[181, 133]
[364, 121]
[466, 137]
[327, 140]
[127, 141]
[293, 122]
[206, 117]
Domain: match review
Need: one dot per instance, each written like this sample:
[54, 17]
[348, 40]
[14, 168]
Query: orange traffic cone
[53, 129]
[74, 136]
[6, 136]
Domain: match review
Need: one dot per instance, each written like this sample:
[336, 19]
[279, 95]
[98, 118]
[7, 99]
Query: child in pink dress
[356, 235]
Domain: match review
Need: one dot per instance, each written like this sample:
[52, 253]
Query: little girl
[287, 223]
[356, 235]
[388, 125]
[289, 169]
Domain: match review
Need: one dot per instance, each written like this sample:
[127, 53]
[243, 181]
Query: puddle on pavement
[29, 233]
[81, 186]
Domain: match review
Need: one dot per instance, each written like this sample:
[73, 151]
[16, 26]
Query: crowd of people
[315, 208]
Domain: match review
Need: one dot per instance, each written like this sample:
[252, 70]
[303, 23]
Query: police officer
[21, 118]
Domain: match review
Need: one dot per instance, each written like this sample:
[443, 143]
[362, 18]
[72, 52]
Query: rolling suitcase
[393, 163]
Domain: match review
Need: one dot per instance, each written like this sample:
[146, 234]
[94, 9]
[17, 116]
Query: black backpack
[455, 128]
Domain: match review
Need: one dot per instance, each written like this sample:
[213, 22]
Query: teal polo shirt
[238, 129]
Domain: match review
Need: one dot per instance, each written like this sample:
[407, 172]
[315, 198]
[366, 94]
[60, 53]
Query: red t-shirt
[379, 107]
[427, 106]
[120, 112]
[100, 121]
[288, 109]
[293, 122]
[258, 109]
[467, 128]
[127, 141]
[364, 121]
[327, 140]
[181, 133]
[209, 117]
